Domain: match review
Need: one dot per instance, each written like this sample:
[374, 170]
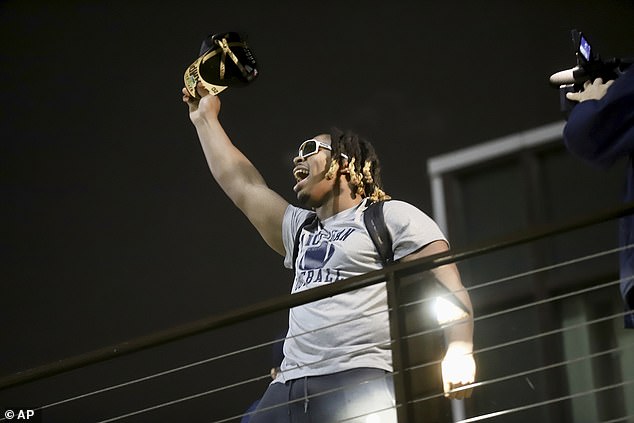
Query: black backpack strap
[375, 224]
[311, 219]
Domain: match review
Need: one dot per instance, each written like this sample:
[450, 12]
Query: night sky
[112, 226]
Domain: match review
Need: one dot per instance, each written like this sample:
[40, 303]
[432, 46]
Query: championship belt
[225, 61]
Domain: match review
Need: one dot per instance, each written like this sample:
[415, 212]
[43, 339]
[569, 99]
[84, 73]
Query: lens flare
[447, 312]
[373, 418]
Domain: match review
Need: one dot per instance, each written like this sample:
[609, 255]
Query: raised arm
[458, 365]
[235, 174]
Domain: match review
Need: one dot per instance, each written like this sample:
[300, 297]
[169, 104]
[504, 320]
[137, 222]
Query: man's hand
[591, 91]
[207, 107]
[458, 370]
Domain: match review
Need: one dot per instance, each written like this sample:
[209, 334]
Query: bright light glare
[458, 368]
[373, 418]
[447, 312]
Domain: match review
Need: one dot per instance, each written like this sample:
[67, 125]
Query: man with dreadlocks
[341, 341]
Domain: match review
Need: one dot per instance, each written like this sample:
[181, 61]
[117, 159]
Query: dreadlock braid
[332, 170]
[356, 178]
[367, 176]
[367, 180]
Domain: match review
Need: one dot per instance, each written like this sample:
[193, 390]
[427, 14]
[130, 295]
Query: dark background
[113, 228]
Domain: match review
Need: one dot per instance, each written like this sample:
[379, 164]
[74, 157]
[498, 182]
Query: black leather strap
[375, 224]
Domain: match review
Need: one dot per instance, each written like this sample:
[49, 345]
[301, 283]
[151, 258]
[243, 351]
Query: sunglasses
[312, 146]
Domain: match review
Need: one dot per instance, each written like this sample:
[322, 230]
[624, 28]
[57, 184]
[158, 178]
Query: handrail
[292, 300]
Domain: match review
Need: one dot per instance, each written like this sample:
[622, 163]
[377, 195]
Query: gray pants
[354, 396]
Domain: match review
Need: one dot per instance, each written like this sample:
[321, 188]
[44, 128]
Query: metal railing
[567, 350]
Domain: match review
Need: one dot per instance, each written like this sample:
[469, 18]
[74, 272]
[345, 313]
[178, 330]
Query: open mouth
[300, 174]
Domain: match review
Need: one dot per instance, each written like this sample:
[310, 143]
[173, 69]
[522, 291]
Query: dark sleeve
[602, 131]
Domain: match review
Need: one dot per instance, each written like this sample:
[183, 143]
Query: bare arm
[458, 366]
[235, 174]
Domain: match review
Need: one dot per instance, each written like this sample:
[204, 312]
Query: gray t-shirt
[349, 330]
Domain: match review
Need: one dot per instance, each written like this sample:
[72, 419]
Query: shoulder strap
[311, 219]
[375, 224]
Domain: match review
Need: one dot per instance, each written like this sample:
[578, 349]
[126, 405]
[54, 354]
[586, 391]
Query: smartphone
[585, 49]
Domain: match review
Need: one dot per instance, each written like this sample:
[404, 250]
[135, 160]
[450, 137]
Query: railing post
[402, 388]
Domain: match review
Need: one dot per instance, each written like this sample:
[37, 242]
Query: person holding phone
[600, 130]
